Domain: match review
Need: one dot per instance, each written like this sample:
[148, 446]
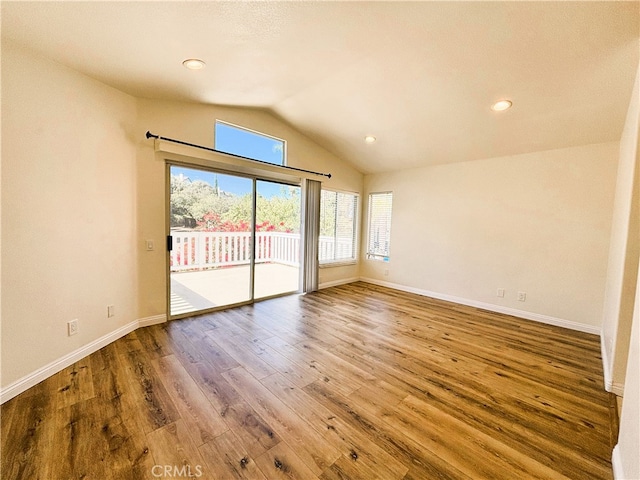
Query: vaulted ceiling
[419, 76]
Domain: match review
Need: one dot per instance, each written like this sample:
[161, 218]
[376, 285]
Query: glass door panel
[211, 230]
[277, 255]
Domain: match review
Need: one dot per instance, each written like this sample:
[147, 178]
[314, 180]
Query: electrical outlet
[522, 296]
[110, 311]
[500, 292]
[72, 327]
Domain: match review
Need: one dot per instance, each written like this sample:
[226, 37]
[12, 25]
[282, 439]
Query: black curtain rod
[151, 135]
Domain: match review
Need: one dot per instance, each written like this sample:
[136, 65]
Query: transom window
[248, 143]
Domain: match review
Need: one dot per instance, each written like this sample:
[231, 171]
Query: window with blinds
[379, 226]
[338, 227]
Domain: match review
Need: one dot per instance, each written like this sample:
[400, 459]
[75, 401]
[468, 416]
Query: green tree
[281, 212]
[198, 204]
[191, 201]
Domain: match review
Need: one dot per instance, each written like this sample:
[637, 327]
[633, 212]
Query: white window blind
[379, 225]
[338, 226]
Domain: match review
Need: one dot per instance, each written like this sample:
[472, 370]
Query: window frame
[254, 132]
[356, 231]
[369, 254]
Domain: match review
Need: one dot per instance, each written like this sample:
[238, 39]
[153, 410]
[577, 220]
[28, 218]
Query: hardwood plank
[470, 451]
[172, 446]
[226, 458]
[310, 446]
[269, 318]
[29, 439]
[197, 325]
[117, 418]
[364, 458]
[7, 415]
[75, 384]
[90, 446]
[212, 353]
[213, 385]
[294, 372]
[128, 344]
[355, 381]
[181, 343]
[306, 358]
[393, 441]
[251, 429]
[76, 440]
[334, 363]
[242, 354]
[155, 341]
[201, 419]
[281, 463]
[251, 329]
[498, 411]
[348, 467]
[151, 400]
[110, 384]
[378, 396]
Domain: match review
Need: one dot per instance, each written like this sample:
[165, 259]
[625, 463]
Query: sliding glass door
[211, 232]
[212, 260]
[277, 266]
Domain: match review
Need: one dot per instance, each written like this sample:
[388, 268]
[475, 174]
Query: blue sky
[248, 144]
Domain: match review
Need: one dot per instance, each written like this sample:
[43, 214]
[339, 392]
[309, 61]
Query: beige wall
[537, 223]
[625, 458]
[621, 318]
[624, 252]
[68, 216]
[194, 123]
[81, 191]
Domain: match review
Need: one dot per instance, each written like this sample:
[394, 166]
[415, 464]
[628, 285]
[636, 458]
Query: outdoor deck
[199, 290]
[211, 269]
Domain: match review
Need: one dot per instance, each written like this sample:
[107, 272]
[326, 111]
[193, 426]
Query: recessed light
[194, 64]
[370, 139]
[501, 105]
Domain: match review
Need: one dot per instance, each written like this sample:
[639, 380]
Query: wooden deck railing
[203, 250]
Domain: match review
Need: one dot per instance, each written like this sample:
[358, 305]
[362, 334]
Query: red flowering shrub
[211, 222]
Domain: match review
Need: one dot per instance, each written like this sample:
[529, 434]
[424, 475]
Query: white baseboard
[616, 463]
[148, 321]
[606, 366]
[28, 381]
[537, 317]
[617, 388]
[335, 283]
[609, 384]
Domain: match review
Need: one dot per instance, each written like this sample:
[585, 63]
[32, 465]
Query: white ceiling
[420, 76]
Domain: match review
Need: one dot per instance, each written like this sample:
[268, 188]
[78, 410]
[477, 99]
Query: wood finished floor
[352, 382]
